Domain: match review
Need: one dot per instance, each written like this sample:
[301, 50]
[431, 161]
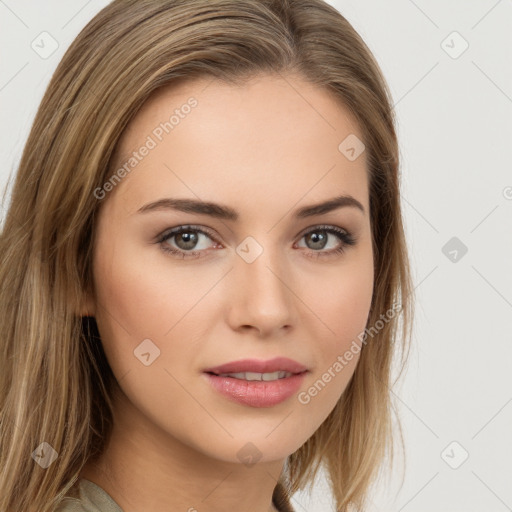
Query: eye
[317, 238]
[188, 238]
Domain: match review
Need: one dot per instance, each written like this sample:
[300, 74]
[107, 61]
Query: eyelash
[343, 235]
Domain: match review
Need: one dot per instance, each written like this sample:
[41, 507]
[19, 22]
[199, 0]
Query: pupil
[189, 239]
[321, 239]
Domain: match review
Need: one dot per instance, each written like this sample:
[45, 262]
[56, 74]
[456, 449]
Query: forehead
[273, 138]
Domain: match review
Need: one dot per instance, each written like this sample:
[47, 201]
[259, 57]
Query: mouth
[256, 376]
[254, 389]
[257, 369]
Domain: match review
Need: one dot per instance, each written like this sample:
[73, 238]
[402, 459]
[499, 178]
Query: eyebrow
[227, 213]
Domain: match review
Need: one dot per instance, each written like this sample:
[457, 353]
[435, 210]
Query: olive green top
[94, 499]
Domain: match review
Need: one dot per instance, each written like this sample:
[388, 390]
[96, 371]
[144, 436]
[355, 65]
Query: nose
[262, 295]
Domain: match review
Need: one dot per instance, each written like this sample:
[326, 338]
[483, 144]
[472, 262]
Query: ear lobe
[87, 305]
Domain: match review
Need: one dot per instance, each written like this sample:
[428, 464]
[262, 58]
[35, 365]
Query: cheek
[142, 311]
[342, 304]
[342, 307]
[346, 303]
[141, 296]
[126, 294]
[136, 290]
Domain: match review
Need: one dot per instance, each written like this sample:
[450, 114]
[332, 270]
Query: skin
[265, 149]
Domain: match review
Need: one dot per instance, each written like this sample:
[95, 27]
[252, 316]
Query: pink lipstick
[257, 383]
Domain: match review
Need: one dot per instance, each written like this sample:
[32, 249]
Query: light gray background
[455, 129]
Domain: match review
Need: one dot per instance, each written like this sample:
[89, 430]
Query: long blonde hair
[55, 383]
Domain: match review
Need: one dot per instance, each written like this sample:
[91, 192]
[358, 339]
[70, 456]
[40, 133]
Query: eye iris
[318, 238]
[189, 238]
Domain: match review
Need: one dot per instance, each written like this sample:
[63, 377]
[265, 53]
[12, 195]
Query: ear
[87, 305]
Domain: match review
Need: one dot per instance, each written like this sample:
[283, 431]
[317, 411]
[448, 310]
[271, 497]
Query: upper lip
[259, 366]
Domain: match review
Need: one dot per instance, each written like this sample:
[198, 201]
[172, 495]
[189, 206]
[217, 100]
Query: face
[180, 290]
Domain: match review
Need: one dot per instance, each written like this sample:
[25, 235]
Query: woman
[203, 265]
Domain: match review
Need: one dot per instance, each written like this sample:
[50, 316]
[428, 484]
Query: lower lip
[256, 393]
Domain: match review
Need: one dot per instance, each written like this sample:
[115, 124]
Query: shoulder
[70, 505]
[92, 498]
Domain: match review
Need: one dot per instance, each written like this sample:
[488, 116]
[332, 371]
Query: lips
[256, 393]
[278, 364]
